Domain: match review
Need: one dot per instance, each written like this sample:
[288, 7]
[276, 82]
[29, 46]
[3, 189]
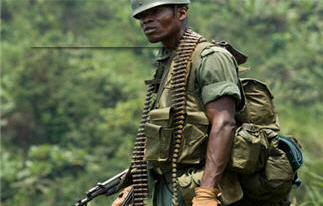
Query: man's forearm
[221, 115]
[218, 153]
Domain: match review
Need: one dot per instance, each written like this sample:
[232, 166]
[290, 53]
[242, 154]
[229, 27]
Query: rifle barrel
[108, 188]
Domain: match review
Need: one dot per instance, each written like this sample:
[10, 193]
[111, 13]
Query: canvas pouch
[249, 149]
[275, 180]
[229, 186]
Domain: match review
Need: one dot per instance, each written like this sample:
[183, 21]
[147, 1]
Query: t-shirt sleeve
[217, 75]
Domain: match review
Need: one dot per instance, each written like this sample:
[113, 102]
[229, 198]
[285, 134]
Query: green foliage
[69, 116]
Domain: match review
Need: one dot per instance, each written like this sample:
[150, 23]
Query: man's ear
[182, 13]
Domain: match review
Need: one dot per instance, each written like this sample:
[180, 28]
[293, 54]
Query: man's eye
[157, 10]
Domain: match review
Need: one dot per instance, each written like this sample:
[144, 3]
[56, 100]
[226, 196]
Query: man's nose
[146, 18]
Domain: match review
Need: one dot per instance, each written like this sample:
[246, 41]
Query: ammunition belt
[138, 165]
[178, 83]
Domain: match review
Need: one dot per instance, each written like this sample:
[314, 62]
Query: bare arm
[221, 114]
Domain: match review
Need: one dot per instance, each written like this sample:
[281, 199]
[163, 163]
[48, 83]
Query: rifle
[108, 187]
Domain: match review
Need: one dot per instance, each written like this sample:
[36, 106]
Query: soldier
[187, 144]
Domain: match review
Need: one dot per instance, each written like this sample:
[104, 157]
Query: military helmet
[142, 5]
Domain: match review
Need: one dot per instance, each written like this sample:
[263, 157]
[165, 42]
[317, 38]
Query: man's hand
[205, 197]
[122, 196]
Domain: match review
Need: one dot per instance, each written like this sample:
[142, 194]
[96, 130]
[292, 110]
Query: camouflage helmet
[142, 5]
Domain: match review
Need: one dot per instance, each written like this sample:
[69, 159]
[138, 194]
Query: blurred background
[70, 116]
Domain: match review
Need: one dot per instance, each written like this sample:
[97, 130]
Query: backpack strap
[196, 60]
[239, 57]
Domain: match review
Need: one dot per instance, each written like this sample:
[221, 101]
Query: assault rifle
[108, 187]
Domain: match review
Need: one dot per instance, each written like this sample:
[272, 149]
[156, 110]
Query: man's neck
[173, 41]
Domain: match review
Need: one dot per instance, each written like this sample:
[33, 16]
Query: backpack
[266, 161]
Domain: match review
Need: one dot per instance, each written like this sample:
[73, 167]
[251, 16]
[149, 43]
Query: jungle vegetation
[69, 116]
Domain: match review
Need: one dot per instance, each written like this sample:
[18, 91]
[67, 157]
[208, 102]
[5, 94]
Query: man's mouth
[149, 30]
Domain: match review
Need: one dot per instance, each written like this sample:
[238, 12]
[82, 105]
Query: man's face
[159, 23]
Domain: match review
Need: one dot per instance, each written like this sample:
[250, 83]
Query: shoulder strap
[196, 56]
[196, 60]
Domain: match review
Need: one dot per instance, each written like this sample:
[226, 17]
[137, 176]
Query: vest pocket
[188, 182]
[161, 116]
[158, 142]
[191, 145]
[229, 186]
[152, 136]
[195, 133]
[158, 135]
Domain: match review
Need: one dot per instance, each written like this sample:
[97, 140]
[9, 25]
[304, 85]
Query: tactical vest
[159, 129]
